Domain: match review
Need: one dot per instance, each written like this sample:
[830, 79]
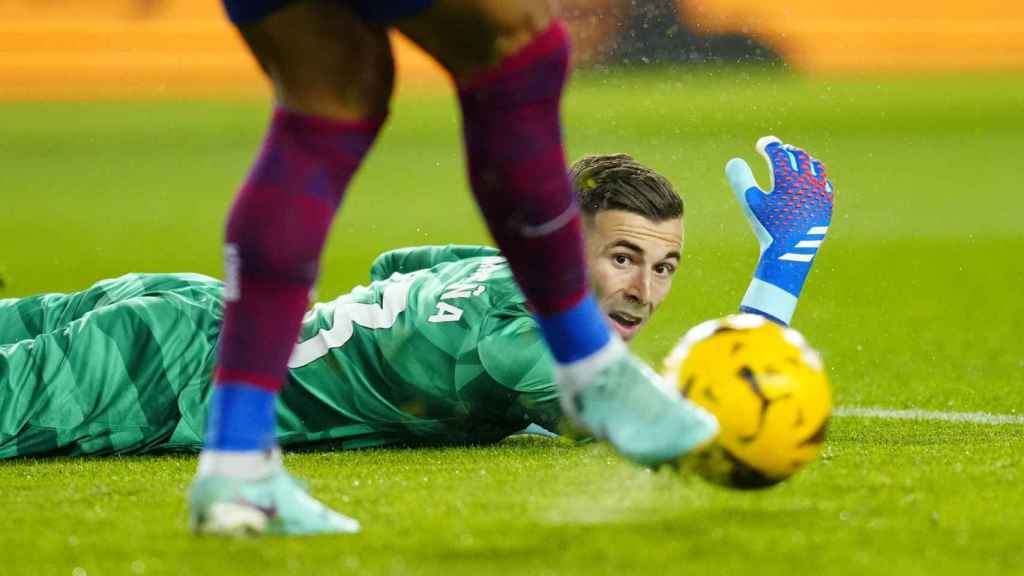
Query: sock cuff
[369, 125]
[306, 141]
[552, 40]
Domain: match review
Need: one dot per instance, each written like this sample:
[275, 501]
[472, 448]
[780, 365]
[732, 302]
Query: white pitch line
[912, 414]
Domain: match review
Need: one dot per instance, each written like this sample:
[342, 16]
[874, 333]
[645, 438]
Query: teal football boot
[618, 398]
[275, 505]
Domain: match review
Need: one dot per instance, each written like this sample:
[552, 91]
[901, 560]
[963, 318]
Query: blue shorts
[243, 12]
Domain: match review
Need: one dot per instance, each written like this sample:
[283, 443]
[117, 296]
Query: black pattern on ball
[745, 477]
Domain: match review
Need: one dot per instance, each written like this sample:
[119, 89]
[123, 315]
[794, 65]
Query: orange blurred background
[70, 49]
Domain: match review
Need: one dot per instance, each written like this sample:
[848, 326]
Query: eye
[622, 259]
[665, 269]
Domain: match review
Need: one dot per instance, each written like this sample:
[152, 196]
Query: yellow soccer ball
[768, 390]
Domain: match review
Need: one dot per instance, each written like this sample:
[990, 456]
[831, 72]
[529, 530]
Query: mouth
[625, 324]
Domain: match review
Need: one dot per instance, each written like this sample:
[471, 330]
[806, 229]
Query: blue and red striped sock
[517, 168]
[275, 233]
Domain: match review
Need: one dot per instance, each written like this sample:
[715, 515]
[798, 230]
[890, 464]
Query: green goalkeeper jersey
[438, 349]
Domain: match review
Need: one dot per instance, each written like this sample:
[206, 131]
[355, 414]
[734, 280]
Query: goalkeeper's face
[632, 261]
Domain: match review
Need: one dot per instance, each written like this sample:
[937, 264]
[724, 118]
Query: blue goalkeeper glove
[790, 221]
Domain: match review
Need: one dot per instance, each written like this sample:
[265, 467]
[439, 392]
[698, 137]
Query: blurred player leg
[332, 76]
[510, 62]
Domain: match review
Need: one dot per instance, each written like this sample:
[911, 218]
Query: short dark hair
[618, 182]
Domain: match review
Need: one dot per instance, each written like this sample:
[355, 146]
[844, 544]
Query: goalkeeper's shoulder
[413, 258]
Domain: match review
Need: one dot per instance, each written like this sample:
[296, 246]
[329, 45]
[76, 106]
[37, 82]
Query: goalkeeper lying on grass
[440, 348]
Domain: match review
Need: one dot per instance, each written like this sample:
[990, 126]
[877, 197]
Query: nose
[639, 288]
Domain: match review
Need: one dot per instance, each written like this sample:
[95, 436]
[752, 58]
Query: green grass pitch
[914, 302]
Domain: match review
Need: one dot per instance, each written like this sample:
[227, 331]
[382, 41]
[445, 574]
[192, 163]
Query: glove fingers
[770, 147]
[764, 142]
[799, 157]
[741, 178]
[818, 169]
[749, 195]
